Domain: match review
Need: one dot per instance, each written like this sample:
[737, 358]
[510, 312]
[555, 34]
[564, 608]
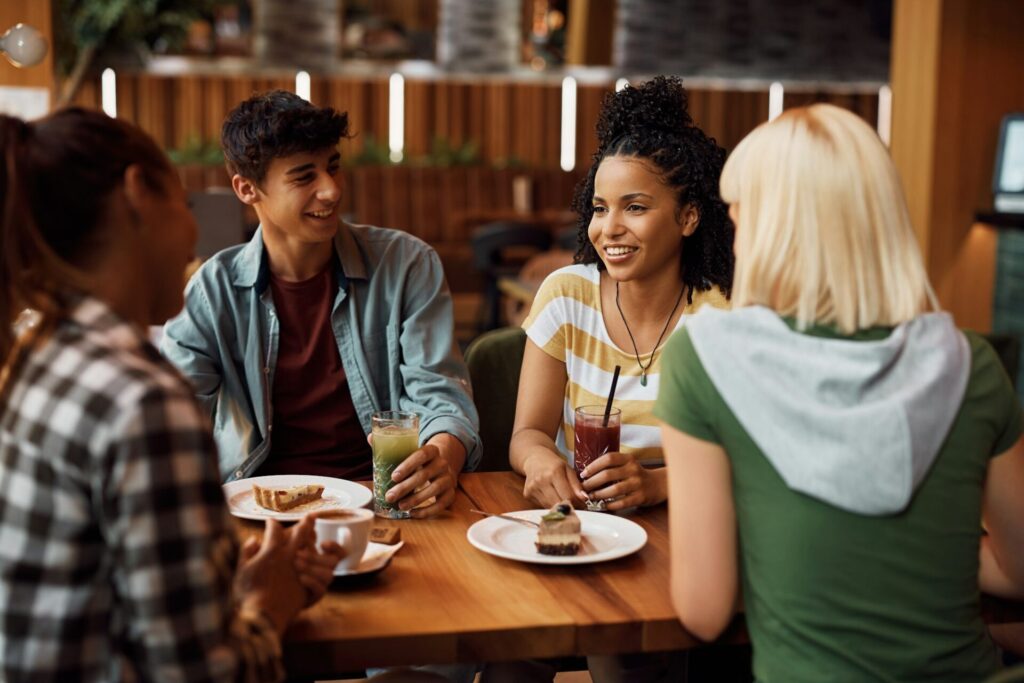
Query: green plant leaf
[122, 23]
[197, 152]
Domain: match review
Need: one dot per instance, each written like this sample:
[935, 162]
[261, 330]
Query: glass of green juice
[396, 435]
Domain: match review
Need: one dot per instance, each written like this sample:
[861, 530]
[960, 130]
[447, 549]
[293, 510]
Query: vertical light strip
[108, 92]
[396, 117]
[621, 84]
[302, 85]
[775, 96]
[885, 114]
[568, 123]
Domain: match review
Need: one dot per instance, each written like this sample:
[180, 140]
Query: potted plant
[86, 29]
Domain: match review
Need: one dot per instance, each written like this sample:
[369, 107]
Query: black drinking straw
[611, 397]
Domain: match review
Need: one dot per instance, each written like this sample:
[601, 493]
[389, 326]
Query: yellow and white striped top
[566, 321]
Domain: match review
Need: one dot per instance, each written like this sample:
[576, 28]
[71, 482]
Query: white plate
[338, 493]
[605, 537]
[376, 557]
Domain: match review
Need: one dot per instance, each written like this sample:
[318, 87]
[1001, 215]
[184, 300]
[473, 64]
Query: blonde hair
[823, 233]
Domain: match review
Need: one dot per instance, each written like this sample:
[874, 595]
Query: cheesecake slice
[281, 499]
[559, 531]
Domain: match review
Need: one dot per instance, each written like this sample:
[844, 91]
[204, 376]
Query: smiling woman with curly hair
[652, 123]
[654, 245]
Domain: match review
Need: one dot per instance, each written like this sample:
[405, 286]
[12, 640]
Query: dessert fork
[511, 518]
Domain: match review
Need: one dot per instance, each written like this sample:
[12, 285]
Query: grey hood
[856, 424]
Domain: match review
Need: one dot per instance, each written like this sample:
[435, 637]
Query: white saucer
[376, 557]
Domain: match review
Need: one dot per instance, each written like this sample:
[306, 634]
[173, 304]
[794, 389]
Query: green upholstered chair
[494, 359]
[1012, 675]
[490, 243]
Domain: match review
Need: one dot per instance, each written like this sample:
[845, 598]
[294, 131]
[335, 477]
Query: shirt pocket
[378, 346]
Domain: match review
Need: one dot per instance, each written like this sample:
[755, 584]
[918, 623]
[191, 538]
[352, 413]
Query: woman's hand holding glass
[623, 482]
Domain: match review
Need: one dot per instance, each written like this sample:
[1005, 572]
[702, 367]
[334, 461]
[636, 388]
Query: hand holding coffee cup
[348, 528]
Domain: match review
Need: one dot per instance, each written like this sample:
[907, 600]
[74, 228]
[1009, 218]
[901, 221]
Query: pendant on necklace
[643, 379]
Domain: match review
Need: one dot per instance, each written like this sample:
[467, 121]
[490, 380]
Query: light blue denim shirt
[392, 318]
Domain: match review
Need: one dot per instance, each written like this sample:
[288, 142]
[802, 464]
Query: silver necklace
[645, 368]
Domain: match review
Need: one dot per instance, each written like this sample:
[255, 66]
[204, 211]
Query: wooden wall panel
[361, 99]
[956, 70]
[863, 105]
[189, 101]
[420, 125]
[728, 115]
[152, 103]
[588, 108]
[981, 79]
[127, 102]
[590, 32]
[551, 127]
[515, 123]
[88, 95]
[497, 131]
[476, 123]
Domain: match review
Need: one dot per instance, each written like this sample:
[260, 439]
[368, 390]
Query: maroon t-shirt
[316, 429]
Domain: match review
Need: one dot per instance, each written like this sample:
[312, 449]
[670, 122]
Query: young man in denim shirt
[294, 339]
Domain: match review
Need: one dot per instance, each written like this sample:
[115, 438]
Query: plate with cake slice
[288, 497]
[560, 535]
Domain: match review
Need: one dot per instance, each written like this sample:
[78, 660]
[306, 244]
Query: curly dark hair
[652, 122]
[276, 124]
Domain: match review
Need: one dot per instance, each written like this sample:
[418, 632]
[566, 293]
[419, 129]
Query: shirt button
[266, 370]
[238, 474]
[270, 428]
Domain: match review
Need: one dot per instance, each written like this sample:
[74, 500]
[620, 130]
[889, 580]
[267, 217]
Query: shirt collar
[251, 268]
[96, 316]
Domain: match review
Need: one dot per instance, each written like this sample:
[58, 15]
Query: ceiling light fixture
[23, 45]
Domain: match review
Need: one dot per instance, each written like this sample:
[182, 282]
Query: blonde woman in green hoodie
[834, 444]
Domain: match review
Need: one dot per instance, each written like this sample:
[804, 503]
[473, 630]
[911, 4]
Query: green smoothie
[391, 446]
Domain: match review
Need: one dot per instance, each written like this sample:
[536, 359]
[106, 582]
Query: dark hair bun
[656, 106]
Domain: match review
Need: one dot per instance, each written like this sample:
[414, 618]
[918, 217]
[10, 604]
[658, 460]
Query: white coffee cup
[350, 528]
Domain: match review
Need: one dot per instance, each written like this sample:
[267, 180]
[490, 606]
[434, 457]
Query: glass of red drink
[593, 438]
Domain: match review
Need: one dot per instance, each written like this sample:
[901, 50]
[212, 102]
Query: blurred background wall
[466, 112]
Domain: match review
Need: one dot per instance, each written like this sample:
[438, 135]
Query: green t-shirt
[835, 596]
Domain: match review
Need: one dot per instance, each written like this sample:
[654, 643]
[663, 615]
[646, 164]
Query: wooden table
[441, 600]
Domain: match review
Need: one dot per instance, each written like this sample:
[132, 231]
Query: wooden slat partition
[430, 202]
[865, 106]
[515, 123]
[512, 122]
[588, 108]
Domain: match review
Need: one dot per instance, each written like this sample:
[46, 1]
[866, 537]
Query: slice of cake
[281, 499]
[559, 532]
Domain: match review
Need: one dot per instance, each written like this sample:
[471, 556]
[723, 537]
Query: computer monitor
[1008, 179]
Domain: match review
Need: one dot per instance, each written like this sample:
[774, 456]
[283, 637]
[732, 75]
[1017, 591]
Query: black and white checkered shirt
[117, 553]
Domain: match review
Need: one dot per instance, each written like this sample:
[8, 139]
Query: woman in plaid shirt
[118, 559]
